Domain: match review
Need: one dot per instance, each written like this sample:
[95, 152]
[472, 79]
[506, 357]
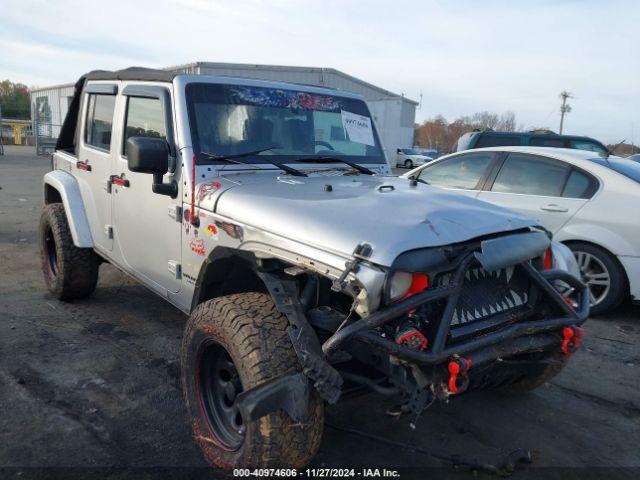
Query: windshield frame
[267, 157]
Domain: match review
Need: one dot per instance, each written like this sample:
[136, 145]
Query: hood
[338, 213]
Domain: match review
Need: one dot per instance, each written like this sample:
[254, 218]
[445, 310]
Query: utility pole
[564, 108]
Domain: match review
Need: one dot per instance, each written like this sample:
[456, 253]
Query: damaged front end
[473, 315]
[467, 309]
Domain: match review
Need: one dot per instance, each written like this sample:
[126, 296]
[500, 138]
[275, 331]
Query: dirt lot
[96, 383]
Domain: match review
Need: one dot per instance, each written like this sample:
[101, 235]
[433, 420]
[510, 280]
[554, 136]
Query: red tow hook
[458, 367]
[571, 339]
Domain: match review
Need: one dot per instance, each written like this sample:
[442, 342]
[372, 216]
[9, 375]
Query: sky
[463, 56]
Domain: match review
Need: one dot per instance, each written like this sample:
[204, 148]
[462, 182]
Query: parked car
[635, 157]
[429, 152]
[489, 138]
[410, 157]
[286, 250]
[587, 201]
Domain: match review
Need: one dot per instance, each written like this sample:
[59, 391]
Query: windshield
[234, 119]
[626, 167]
[410, 151]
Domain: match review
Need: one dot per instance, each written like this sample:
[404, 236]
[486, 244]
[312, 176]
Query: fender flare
[209, 269]
[67, 186]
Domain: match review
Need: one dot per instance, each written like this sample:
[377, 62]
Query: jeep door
[95, 154]
[147, 225]
[540, 187]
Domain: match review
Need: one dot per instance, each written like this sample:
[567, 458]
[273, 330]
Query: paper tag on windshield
[358, 127]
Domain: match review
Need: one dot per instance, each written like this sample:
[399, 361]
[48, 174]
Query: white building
[394, 114]
[49, 106]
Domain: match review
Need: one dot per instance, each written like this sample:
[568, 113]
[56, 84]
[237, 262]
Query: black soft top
[67, 137]
[133, 73]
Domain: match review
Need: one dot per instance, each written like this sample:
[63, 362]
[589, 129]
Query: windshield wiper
[217, 156]
[330, 159]
[234, 159]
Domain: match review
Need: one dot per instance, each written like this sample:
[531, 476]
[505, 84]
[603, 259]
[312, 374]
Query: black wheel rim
[50, 250]
[219, 386]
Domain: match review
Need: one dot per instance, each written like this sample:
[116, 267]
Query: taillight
[547, 263]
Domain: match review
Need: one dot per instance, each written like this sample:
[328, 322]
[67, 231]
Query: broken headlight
[405, 284]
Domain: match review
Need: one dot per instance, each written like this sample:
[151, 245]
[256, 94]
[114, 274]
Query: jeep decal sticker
[212, 230]
[269, 97]
[206, 189]
[197, 246]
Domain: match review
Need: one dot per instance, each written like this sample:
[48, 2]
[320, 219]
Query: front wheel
[408, 164]
[603, 275]
[538, 374]
[231, 344]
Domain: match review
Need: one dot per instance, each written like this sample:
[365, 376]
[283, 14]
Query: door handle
[83, 166]
[118, 180]
[552, 207]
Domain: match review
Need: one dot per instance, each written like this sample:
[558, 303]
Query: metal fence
[46, 136]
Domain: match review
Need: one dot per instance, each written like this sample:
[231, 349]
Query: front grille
[485, 294]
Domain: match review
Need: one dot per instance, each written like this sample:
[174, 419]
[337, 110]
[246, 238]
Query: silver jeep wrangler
[266, 212]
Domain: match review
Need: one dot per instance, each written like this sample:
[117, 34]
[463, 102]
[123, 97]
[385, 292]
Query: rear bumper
[513, 339]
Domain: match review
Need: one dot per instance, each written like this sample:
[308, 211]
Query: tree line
[15, 101]
[440, 134]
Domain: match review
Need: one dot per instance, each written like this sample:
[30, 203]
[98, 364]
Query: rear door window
[531, 175]
[580, 185]
[587, 145]
[463, 171]
[547, 142]
[99, 122]
[487, 140]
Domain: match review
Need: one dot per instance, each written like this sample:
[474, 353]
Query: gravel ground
[95, 383]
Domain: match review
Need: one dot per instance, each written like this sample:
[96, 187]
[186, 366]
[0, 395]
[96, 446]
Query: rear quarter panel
[609, 219]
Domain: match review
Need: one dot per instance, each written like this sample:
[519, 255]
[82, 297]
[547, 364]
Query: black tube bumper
[516, 338]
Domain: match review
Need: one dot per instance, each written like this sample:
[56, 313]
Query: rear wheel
[231, 344]
[69, 272]
[603, 275]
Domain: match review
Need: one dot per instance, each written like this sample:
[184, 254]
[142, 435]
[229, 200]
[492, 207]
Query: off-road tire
[541, 373]
[618, 287]
[253, 333]
[69, 272]
[408, 164]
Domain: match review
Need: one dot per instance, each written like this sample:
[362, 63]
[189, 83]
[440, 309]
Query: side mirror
[147, 155]
[151, 155]
[398, 151]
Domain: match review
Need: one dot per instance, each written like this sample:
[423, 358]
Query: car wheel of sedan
[408, 164]
[603, 275]
[231, 344]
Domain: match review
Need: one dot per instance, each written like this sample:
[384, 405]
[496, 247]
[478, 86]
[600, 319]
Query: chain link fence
[45, 136]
